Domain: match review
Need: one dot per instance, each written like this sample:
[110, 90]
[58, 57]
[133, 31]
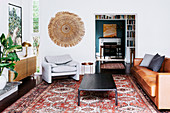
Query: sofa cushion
[144, 73]
[156, 62]
[137, 68]
[59, 60]
[63, 68]
[146, 60]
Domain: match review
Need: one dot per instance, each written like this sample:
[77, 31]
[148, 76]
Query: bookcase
[130, 31]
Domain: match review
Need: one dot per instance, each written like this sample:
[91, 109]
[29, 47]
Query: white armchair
[62, 65]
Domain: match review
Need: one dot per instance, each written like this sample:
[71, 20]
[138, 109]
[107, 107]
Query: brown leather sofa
[155, 84]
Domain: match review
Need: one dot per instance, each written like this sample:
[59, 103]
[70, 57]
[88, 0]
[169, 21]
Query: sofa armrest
[137, 61]
[163, 91]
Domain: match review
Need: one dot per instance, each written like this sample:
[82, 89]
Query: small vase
[2, 82]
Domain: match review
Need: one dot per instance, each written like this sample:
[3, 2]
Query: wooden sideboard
[25, 67]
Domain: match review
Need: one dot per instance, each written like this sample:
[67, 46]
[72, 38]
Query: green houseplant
[7, 56]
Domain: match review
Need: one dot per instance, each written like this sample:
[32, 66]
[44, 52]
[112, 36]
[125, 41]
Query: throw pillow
[146, 60]
[156, 62]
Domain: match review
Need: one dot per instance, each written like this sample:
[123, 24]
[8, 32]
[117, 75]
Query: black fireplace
[110, 49]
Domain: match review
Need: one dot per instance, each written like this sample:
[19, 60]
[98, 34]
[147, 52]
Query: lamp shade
[26, 44]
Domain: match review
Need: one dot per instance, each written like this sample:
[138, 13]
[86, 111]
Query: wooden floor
[30, 82]
[27, 84]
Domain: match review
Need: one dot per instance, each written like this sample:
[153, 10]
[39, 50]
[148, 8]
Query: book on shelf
[127, 43]
[125, 16]
[130, 21]
[102, 16]
[127, 33]
[130, 27]
[132, 43]
[130, 16]
[121, 16]
[113, 16]
[131, 34]
[118, 16]
[133, 27]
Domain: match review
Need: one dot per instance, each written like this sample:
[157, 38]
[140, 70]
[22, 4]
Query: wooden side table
[88, 64]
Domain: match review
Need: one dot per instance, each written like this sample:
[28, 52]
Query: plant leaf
[13, 47]
[14, 56]
[7, 65]
[11, 65]
[2, 36]
[10, 42]
[7, 58]
[16, 74]
[4, 64]
[3, 41]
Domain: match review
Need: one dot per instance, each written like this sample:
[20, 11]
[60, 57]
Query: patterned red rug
[61, 96]
[112, 66]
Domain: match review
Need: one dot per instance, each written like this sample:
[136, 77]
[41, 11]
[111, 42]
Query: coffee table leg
[78, 97]
[116, 101]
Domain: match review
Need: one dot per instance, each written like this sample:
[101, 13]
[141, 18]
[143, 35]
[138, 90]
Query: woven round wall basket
[66, 29]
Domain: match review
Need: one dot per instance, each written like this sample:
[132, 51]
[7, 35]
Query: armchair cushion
[63, 68]
[53, 65]
[72, 63]
[59, 60]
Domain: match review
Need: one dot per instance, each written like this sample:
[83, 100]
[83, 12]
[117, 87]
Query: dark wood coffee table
[97, 82]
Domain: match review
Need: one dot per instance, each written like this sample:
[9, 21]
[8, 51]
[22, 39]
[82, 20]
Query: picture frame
[15, 24]
[109, 30]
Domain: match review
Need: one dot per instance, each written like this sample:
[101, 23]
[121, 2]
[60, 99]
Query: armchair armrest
[77, 65]
[137, 61]
[46, 72]
[163, 90]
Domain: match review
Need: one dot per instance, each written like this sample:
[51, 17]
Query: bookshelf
[130, 24]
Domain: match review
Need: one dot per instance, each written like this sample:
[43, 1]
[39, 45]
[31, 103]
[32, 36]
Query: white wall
[26, 19]
[152, 25]
[3, 17]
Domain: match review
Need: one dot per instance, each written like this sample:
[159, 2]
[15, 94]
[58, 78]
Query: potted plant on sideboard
[7, 57]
